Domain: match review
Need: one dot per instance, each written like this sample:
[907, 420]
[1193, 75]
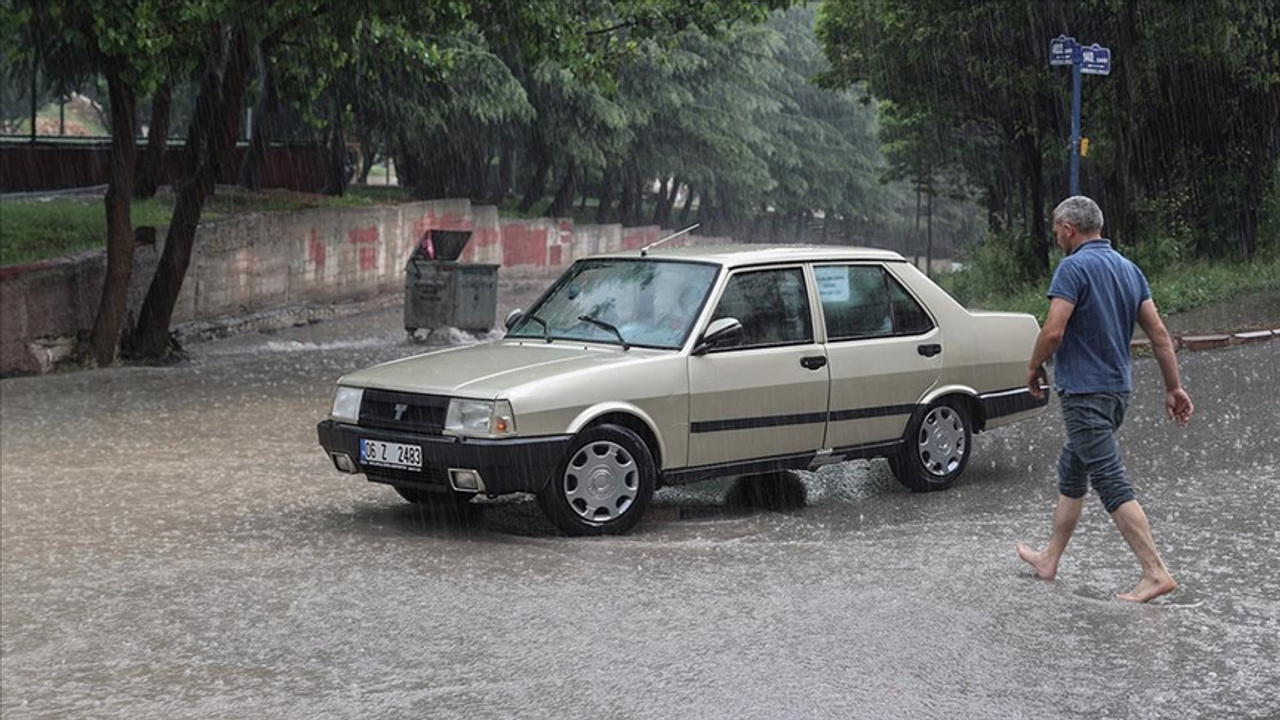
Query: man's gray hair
[1080, 211]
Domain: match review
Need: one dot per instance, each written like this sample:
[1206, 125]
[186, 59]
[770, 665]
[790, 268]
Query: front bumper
[505, 466]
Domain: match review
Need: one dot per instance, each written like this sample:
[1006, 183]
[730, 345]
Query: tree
[124, 40]
[1199, 151]
[317, 32]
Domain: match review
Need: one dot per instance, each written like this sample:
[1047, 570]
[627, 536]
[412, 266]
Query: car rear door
[884, 350]
[766, 397]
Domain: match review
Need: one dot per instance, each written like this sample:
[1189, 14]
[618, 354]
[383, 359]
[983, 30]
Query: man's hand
[1036, 376]
[1177, 403]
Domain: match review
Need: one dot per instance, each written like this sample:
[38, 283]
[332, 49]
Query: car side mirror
[724, 332]
[513, 318]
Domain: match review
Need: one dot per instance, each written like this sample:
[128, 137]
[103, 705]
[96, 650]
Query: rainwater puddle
[1180, 598]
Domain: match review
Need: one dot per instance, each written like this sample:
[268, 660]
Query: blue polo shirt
[1106, 289]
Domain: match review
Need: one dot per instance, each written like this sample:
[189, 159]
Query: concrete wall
[259, 263]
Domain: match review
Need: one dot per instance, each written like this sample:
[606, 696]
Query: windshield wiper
[606, 326]
[546, 331]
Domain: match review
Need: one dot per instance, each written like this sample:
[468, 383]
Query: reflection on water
[780, 491]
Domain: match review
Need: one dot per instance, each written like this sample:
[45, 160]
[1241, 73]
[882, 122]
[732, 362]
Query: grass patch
[1176, 287]
[32, 230]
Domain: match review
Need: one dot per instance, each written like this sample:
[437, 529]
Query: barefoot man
[1095, 297]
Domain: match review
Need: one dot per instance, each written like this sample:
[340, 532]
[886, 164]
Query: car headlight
[479, 418]
[346, 404]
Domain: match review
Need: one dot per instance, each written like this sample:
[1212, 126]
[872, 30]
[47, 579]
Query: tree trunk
[105, 337]
[928, 252]
[688, 206]
[538, 184]
[627, 198]
[209, 143]
[1120, 187]
[506, 171]
[249, 175]
[666, 201]
[608, 185]
[338, 170]
[1033, 161]
[406, 160]
[151, 169]
[637, 192]
[915, 240]
[564, 194]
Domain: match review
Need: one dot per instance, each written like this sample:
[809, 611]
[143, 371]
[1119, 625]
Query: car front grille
[404, 412]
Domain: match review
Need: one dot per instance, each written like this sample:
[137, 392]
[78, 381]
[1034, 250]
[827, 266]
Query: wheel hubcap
[942, 441]
[601, 481]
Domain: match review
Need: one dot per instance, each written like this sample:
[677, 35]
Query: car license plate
[392, 455]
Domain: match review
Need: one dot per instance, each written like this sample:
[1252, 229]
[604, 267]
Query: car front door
[767, 396]
[884, 350]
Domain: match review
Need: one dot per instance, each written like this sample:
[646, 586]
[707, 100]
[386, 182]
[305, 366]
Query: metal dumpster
[441, 292]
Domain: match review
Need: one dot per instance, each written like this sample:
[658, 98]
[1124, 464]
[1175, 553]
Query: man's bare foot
[1149, 588]
[1046, 568]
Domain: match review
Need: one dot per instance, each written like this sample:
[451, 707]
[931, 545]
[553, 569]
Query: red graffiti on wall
[367, 239]
[316, 250]
[522, 245]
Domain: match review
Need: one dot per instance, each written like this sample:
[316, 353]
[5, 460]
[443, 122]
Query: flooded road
[176, 545]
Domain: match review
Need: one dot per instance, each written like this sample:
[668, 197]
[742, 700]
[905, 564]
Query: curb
[1212, 341]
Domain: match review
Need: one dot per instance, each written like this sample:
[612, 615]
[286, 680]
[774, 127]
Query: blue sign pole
[1075, 126]
[1091, 60]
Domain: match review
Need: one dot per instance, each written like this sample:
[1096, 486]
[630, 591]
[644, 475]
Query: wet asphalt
[174, 544]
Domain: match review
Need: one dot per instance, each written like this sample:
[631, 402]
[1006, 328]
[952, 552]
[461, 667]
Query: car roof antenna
[645, 250]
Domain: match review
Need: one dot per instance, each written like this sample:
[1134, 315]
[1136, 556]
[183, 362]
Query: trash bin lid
[448, 244]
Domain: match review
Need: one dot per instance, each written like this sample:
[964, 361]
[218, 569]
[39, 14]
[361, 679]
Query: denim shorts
[1091, 455]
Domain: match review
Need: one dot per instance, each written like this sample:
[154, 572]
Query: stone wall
[264, 262]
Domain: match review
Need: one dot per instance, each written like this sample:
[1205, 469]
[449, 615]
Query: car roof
[757, 254]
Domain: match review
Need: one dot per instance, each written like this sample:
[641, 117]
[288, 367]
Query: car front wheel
[603, 485]
[935, 450]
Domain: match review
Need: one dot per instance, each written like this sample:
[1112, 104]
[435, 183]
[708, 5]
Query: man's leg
[1073, 486]
[1132, 523]
[1065, 517]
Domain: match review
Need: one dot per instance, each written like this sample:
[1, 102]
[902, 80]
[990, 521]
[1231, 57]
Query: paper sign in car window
[833, 283]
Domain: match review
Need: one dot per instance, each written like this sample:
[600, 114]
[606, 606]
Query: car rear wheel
[935, 450]
[603, 485]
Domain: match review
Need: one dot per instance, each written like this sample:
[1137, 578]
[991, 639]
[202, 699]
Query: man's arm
[1047, 342]
[1176, 401]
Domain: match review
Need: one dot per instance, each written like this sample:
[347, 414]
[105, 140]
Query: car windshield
[623, 301]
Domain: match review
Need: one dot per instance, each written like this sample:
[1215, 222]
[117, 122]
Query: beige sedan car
[638, 370]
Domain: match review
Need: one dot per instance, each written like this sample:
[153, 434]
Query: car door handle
[813, 362]
[929, 350]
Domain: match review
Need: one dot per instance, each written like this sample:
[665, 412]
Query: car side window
[908, 317]
[772, 305]
[863, 301]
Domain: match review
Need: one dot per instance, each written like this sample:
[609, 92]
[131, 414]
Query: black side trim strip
[871, 450]
[1011, 401]
[684, 476]
[801, 461]
[873, 412]
[764, 421]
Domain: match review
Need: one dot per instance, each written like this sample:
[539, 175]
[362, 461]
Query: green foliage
[32, 231]
[996, 272]
[1187, 125]
[992, 280]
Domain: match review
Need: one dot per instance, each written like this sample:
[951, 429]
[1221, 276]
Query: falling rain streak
[175, 546]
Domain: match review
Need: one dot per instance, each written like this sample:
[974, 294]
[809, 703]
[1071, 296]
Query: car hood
[493, 370]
